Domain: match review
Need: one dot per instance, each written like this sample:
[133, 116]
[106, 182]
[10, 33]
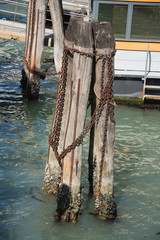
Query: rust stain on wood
[75, 128]
[66, 166]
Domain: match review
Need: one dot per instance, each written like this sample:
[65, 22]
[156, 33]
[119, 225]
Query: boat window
[117, 15]
[146, 22]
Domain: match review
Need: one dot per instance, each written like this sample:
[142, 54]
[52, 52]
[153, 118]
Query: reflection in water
[25, 126]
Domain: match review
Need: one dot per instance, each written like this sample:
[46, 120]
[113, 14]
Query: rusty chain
[102, 75]
[109, 112]
[38, 72]
[8, 40]
[58, 114]
[106, 97]
[47, 60]
[95, 54]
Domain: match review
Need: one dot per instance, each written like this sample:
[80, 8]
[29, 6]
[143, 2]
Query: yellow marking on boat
[137, 46]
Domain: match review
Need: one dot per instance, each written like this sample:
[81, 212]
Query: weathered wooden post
[101, 164]
[33, 48]
[80, 33]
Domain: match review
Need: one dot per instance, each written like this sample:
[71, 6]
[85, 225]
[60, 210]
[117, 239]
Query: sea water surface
[24, 130]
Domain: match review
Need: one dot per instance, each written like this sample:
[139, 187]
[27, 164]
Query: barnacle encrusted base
[51, 182]
[105, 207]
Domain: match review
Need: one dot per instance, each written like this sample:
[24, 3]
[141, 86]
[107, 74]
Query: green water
[24, 129]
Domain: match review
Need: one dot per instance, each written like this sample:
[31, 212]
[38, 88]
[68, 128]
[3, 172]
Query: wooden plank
[9, 34]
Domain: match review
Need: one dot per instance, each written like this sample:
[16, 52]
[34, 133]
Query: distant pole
[34, 42]
[52, 178]
[56, 12]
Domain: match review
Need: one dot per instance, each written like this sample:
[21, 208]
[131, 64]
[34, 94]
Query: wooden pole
[79, 32]
[34, 42]
[103, 150]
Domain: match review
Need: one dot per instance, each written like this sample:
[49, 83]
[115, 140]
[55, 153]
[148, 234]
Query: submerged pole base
[30, 88]
[105, 207]
[67, 208]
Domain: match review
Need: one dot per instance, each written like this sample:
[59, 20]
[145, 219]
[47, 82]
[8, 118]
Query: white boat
[136, 26]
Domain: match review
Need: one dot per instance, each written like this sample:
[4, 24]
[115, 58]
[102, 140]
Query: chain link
[47, 60]
[95, 54]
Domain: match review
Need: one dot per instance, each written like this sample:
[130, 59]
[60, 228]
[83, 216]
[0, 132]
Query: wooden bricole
[80, 82]
[86, 72]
